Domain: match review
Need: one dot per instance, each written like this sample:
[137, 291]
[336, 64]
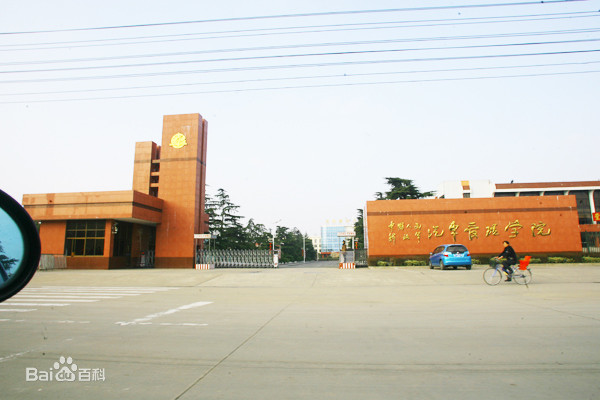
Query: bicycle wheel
[522, 277]
[492, 276]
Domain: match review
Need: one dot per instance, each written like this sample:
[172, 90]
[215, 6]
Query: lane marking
[55, 299]
[146, 320]
[37, 304]
[17, 309]
[56, 296]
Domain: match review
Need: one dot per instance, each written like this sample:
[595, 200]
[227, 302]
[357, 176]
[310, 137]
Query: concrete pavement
[305, 332]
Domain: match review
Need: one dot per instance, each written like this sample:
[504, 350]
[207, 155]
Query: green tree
[401, 189]
[311, 252]
[292, 243]
[359, 229]
[258, 235]
[225, 223]
[6, 265]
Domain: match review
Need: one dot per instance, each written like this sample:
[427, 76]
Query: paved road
[302, 332]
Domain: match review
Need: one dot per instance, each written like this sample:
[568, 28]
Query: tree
[311, 253]
[225, 223]
[359, 229]
[6, 265]
[401, 189]
[258, 235]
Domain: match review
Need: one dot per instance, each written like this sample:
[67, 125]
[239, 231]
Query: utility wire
[277, 31]
[283, 56]
[302, 87]
[301, 15]
[306, 45]
[296, 78]
[289, 66]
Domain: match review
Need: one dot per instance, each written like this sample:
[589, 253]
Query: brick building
[151, 225]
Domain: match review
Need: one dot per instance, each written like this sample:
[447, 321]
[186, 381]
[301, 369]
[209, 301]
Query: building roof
[128, 205]
[547, 185]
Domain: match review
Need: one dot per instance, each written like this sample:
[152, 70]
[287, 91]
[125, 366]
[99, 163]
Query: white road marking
[60, 296]
[36, 304]
[17, 309]
[146, 320]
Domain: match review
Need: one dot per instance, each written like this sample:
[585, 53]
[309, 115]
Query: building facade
[330, 241]
[152, 225]
[533, 225]
[586, 194]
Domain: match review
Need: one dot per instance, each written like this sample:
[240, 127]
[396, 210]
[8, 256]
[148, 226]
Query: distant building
[151, 225]
[316, 242]
[330, 241]
[587, 193]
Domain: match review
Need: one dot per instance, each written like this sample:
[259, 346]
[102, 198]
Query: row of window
[584, 208]
[85, 238]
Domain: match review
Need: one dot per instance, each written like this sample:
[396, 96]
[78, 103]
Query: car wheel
[469, 266]
[430, 265]
[442, 265]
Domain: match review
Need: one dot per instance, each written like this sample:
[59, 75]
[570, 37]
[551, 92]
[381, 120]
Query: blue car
[450, 255]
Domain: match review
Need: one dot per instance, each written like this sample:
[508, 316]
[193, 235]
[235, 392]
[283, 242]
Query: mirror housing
[20, 256]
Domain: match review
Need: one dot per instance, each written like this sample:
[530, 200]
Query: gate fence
[357, 257]
[590, 243]
[235, 258]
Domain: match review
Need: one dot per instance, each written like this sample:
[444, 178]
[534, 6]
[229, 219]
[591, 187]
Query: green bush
[587, 259]
[414, 263]
[560, 260]
[535, 261]
[382, 263]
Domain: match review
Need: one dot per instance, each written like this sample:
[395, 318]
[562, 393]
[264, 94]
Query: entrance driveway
[303, 332]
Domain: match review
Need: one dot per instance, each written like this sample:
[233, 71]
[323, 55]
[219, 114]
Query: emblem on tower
[178, 141]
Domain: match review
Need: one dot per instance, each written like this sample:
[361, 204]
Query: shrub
[414, 263]
[587, 259]
[560, 260]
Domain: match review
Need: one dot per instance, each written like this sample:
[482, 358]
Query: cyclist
[508, 257]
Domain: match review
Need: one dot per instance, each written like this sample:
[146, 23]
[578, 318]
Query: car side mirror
[20, 247]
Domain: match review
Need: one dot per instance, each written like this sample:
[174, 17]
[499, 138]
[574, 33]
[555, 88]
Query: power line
[277, 31]
[289, 66]
[283, 56]
[300, 15]
[307, 45]
[304, 87]
[328, 76]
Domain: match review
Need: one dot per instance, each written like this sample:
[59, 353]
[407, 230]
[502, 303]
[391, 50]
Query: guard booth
[203, 260]
[347, 259]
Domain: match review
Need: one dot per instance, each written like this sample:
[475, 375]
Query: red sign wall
[415, 227]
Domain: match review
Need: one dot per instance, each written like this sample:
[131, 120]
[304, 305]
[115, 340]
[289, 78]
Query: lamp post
[275, 258]
[304, 247]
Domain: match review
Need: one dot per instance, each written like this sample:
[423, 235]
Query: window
[85, 238]
[554, 193]
[457, 249]
[525, 194]
[583, 205]
[505, 194]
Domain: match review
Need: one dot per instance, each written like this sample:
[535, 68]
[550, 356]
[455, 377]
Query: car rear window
[457, 249]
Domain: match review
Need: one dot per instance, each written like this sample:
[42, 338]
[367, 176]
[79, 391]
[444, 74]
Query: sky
[310, 104]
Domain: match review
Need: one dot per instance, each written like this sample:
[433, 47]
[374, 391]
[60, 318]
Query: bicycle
[493, 275]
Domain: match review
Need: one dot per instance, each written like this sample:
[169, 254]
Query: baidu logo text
[65, 370]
